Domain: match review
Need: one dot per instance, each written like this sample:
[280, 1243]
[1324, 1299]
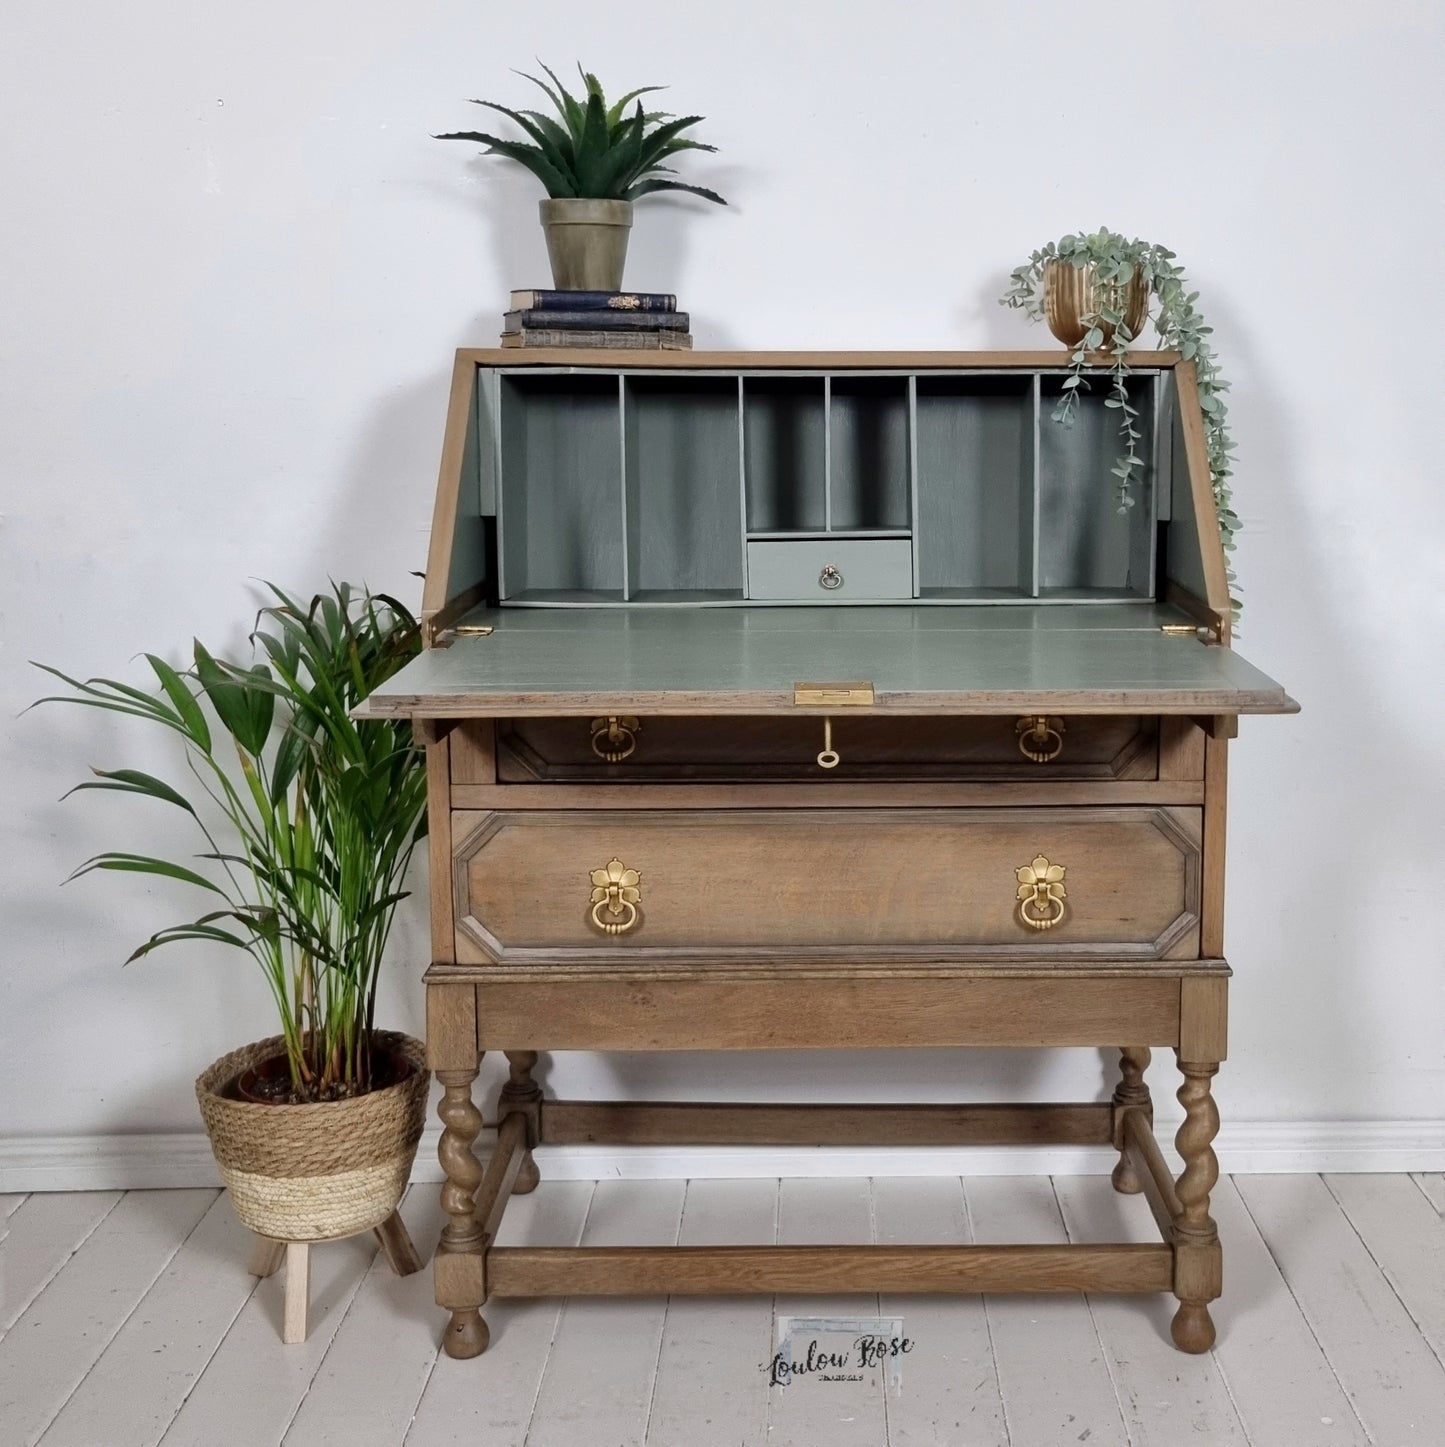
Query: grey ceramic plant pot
[586, 242]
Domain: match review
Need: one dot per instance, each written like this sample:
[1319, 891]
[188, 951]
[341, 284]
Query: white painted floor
[129, 1319]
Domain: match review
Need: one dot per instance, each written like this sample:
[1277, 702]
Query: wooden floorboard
[63, 1332]
[809, 1410]
[137, 1322]
[490, 1398]
[374, 1372]
[1166, 1397]
[947, 1387]
[141, 1380]
[1393, 1380]
[598, 1383]
[1277, 1373]
[1432, 1183]
[43, 1233]
[254, 1384]
[1405, 1236]
[713, 1349]
[1052, 1369]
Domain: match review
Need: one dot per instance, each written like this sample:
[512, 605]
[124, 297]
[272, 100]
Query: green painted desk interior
[1089, 658]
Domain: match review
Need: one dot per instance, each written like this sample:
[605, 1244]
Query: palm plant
[594, 150]
[321, 813]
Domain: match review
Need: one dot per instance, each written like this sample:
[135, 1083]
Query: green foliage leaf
[594, 150]
[644, 188]
[231, 701]
[133, 781]
[183, 701]
[144, 864]
[529, 156]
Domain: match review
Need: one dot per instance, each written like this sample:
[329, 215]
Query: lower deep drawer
[761, 884]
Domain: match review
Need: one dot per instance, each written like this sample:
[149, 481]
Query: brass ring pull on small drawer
[1041, 894]
[616, 894]
[830, 578]
[1040, 737]
[614, 737]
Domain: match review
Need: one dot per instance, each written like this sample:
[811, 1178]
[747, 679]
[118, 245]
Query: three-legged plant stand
[267, 1255]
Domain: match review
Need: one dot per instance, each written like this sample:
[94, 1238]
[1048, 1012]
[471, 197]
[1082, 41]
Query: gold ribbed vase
[1071, 293]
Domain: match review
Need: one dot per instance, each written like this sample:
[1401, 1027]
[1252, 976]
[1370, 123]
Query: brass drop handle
[616, 894]
[1040, 737]
[830, 578]
[828, 758]
[614, 737]
[1041, 894]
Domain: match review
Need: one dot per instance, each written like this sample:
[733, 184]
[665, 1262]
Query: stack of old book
[639, 320]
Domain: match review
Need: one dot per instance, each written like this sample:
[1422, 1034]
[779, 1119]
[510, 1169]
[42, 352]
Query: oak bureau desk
[802, 700]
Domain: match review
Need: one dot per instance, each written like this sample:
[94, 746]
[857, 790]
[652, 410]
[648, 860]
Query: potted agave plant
[308, 820]
[595, 160]
[1096, 292]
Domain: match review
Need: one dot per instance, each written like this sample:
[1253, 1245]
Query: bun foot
[1126, 1182]
[1192, 1327]
[466, 1335]
[528, 1177]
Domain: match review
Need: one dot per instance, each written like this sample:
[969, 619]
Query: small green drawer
[831, 570]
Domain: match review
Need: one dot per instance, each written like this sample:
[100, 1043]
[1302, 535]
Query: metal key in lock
[828, 758]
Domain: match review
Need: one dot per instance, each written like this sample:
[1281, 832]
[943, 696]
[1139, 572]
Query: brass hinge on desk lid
[447, 634]
[833, 695]
[1201, 631]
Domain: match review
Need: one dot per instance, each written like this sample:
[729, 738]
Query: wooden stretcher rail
[723, 1270]
[501, 1173]
[572, 1122]
[1142, 1152]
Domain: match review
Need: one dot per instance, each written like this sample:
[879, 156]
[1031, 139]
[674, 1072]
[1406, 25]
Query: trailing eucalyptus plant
[593, 150]
[309, 817]
[1116, 262]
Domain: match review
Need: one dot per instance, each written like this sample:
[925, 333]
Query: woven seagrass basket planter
[321, 1171]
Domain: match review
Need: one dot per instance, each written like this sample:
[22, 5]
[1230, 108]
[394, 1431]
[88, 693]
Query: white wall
[236, 267]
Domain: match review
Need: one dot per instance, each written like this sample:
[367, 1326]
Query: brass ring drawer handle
[830, 578]
[1040, 737]
[1041, 894]
[616, 893]
[614, 737]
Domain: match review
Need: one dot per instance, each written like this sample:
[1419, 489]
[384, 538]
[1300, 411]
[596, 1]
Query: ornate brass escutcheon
[616, 893]
[1041, 893]
[1040, 736]
[615, 737]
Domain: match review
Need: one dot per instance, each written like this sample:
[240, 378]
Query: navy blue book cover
[514, 321]
[594, 301]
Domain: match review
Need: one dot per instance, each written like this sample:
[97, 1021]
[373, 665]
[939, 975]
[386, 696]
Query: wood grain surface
[765, 884]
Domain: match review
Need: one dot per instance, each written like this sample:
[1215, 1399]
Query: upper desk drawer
[625, 749]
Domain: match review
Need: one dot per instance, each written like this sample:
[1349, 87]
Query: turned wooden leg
[298, 1292]
[1198, 1264]
[396, 1245]
[460, 1280]
[266, 1256]
[1131, 1094]
[523, 1093]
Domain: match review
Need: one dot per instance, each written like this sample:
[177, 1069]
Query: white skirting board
[145, 1162]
